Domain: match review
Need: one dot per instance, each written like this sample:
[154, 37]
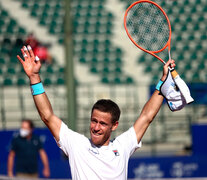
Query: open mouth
[96, 134]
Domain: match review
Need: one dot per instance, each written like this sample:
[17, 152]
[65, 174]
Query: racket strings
[148, 26]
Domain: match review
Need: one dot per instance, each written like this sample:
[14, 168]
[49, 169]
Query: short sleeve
[13, 146]
[69, 139]
[40, 143]
[128, 141]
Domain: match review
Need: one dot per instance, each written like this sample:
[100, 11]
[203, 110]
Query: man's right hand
[30, 65]
[170, 63]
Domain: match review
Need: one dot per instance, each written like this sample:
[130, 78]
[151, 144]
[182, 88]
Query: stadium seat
[2, 61]
[11, 70]
[60, 81]
[21, 81]
[7, 81]
[105, 80]
[47, 81]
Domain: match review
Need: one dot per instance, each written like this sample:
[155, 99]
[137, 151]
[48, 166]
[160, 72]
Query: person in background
[40, 49]
[25, 147]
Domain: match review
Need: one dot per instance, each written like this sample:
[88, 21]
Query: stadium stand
[93, 23]
[188, 19]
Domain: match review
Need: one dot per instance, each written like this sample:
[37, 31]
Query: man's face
[25, 130]
[101, 127]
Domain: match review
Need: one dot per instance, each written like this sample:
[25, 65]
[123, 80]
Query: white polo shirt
[93, 163]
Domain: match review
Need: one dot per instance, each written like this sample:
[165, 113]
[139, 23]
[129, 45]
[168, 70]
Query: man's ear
[115, 125]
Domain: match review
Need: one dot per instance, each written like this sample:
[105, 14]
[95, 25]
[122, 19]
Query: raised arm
[151, 108]
[32, 67]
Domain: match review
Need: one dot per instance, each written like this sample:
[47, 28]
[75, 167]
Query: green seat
[195, 77]
[94, 60]
[42, 20]
[203, 37]
[50, 69]
[7, 41]
[47, 81]
[10, 29]
[189, 19]
[193, 56]
[196, 27]
[107, 42]
[201, 66]
[21, 81]
[141, 59]
[118, 60]
[4, 13]
[105, 80]
[191, 37]
[106, 70]
[117, 80]
[2, 61]
[94, 69]
[2, 22]
[148, 69]
[118, 70]
[7, 81]
[36, 6]
[61, 70]
[25, 5]
[60, 81]
[188, 66]
[106, 60]
[14, 59]
[11, 70]
[129, 80]
[82, 60]
[61, 40]
[21, 31]
[205, 56]
[34, 13]
[12, 23]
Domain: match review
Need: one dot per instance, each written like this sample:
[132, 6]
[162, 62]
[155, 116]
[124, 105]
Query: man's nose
[97, 127]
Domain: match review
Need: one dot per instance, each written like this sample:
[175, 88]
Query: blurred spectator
[39, 49]
[32, 41]
[42, 52]
[25, 147]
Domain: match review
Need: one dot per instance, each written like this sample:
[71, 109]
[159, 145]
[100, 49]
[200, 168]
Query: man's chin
[96, 142]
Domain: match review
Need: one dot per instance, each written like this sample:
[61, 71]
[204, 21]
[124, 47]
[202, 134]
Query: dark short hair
[31, 124]
[107, 105]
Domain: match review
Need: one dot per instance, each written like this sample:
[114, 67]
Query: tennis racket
[148, 27]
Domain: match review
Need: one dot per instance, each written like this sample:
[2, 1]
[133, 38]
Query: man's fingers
[20, 59]
[26, 52]
[31, 52]
[170, 63]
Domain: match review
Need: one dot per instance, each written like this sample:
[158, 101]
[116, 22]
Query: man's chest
[27, 145]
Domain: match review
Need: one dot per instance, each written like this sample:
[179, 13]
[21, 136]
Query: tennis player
[97, 157]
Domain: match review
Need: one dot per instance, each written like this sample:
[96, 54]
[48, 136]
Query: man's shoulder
[124, 138]
[16, 136]
[125, 133]
[35, 136]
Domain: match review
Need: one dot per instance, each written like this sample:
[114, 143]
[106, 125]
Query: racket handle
[182, 87]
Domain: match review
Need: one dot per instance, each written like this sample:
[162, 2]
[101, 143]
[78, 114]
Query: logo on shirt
[93, 150]
[116, 152]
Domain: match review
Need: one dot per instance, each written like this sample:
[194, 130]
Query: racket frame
[153, 53]
[179, 82]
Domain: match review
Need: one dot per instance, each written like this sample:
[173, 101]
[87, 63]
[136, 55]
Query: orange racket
[148, 27]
